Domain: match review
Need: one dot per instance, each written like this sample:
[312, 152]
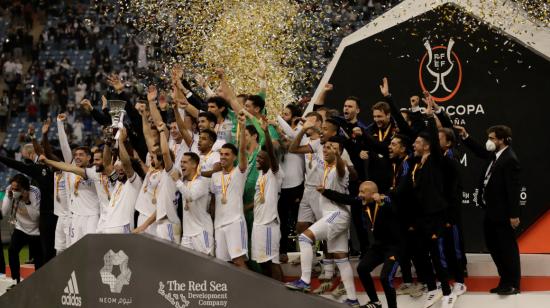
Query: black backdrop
[503, 82]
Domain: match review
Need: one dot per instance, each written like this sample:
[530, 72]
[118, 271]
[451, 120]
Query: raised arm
[322, 96]
[63, 139]
[228, 92]
[181, 125]
[435, 150]
[243, 161]
[472, 144]
[124, 156]
[341, 198]
[46, 146]
[404, 127]
[107, 158]
[63, 166]
[165, 149]
[269, 148]
[152, 100]
[295, 146]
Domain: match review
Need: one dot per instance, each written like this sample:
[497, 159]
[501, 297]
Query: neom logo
[440, 71]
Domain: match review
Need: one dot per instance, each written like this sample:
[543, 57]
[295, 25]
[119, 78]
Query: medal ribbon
[225, 186]
[382, 137]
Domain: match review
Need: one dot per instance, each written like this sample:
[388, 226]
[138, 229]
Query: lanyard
[104, 182]
[262, 187]
[328, 168]
[117, 193]
[148, 181]
[416, 166]
[395, 170]
[225, 186]
[58, 178]
[371, 218]
[76, 184]
[382, 137]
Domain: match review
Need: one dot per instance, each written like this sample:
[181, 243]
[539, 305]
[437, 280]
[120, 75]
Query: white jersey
[217, 146]
[225, 130]
[82, 195]
[332, 181]
[120, 211]
[196, 198]
[314, 162]
[207, 161]
[26, 224]
[60, 199]
[268, 185]
[231, 192]
[291, 163]
[149, 189]
[167, 198]
[103, 187]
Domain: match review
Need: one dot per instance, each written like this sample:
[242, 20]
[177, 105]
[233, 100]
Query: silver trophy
[116, 110]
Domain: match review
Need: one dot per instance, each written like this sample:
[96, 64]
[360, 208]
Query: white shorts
[202, 242]
[168, 231]
[231, 240]
[152, 229]
[334, 228]
[265, 242]
[62, 237]
[310, 210]
[116, 230]
[82, 225]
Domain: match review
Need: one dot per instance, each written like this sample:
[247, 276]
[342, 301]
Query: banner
[141, 271]
[481, 76]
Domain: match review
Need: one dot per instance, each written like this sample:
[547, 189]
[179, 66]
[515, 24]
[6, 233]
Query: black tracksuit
[431, 205]
[384, 229]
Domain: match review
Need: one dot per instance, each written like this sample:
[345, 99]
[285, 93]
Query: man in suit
[499, 195]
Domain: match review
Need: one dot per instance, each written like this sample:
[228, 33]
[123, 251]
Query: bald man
[383, 226]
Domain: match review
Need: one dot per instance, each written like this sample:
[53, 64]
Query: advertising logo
[71, 296]
[440, 71]
[110, 260]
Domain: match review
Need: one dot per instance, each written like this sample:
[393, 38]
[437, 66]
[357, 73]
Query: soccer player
[120, 213]
[209, 158]
[227, 186]
[333, 226]
[197, 226]
[266, 233]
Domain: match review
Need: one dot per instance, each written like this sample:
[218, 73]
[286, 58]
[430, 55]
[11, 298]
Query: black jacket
[429, 180]
[386, 226]
[44, 177]
[503, 189]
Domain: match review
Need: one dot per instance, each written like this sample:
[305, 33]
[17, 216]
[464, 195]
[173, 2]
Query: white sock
[328, 268]
[306, 257]
[346, 273]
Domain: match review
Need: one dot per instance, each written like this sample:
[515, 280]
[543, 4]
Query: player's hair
[257, 101]
[85, 149]
[211, 134]
[382, 106]
[355, 99]
[315, 114]
[209, 116]
[232, 147]
[449, 135]
[502, 132]
[22, 181]
[193, 156]
[253, 131]
[220, 102]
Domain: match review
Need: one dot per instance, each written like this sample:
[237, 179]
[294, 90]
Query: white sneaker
[432, 297]
[404, 289]
[448, 301]
[459, 289]
[418, 290]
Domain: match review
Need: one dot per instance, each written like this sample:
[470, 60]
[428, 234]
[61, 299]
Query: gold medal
[76, 193]
[224, 200]
[262, 200]
[58, 199]
[186, 206]
[154, 200]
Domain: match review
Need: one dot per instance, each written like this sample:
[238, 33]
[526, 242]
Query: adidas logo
[71, 296]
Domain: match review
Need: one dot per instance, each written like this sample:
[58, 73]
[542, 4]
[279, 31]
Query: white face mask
[490, 146]
[16, 195]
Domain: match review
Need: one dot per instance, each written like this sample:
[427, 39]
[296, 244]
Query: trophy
[116, 110]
